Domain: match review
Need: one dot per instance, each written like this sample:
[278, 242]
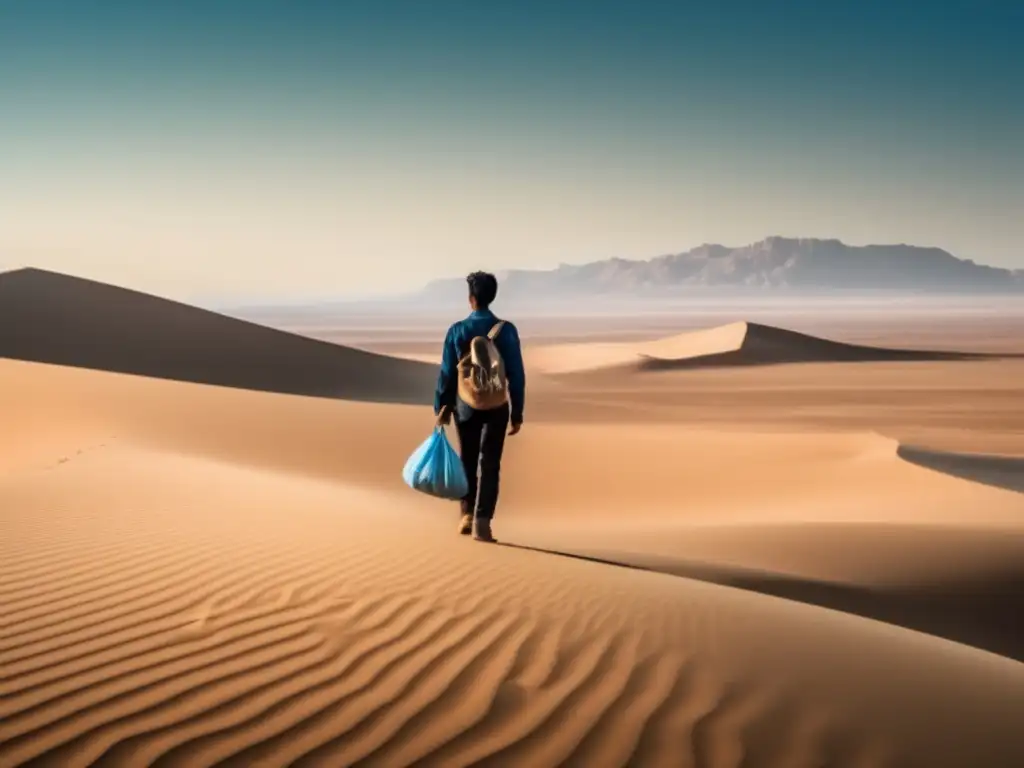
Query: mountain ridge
[773, 264]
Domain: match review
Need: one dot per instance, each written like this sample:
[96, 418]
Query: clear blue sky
[292, 149]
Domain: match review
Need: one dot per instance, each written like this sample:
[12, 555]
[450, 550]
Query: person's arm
[516, 373]
[447, 377]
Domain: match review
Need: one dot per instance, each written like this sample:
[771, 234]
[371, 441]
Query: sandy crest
[58, 319]
[191, 574]
[736, 344]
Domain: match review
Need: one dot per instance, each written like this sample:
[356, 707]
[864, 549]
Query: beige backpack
[482, 381]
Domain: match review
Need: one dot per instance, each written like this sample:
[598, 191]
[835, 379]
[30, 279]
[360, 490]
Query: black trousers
[481, 443]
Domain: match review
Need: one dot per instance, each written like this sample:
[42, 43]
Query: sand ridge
[734, 344]
[53, 318]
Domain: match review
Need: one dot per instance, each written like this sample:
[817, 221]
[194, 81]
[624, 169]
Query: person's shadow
[575, 556]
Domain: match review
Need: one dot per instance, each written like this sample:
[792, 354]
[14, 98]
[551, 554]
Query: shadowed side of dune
[1005, 472]
[984, 614]
[767, 345]
[57, 319]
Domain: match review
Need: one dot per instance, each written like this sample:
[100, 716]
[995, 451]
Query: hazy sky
[306, 149]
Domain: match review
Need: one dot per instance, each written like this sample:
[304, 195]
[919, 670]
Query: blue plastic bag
[436, 469]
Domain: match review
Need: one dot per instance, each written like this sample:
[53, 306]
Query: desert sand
[207, 554]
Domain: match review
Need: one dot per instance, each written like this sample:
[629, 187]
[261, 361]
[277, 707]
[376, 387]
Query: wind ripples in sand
[272, 652]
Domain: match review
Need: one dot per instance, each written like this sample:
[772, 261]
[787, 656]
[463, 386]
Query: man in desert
[482, 423]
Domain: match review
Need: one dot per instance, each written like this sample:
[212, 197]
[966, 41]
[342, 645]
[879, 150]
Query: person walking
[482, 383]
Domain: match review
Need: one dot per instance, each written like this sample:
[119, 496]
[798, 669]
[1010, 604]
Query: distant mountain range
[776, 264]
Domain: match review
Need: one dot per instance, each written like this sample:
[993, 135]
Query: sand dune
[192, 574]
[821, 512]
[736, 344]
[52, 318]
[199, 610]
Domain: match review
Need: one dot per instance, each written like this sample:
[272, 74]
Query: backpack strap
[493, 333]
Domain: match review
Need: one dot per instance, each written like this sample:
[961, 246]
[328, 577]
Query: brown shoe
[466, 525]
[482, 530]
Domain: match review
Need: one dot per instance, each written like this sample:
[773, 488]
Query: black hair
[483, 286]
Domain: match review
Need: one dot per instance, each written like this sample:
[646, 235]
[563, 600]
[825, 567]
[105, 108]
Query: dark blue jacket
[456, 344]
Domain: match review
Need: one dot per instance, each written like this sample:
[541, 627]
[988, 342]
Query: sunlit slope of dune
[634, 473]
[807, 508]
[53, 318]
[169, 609]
